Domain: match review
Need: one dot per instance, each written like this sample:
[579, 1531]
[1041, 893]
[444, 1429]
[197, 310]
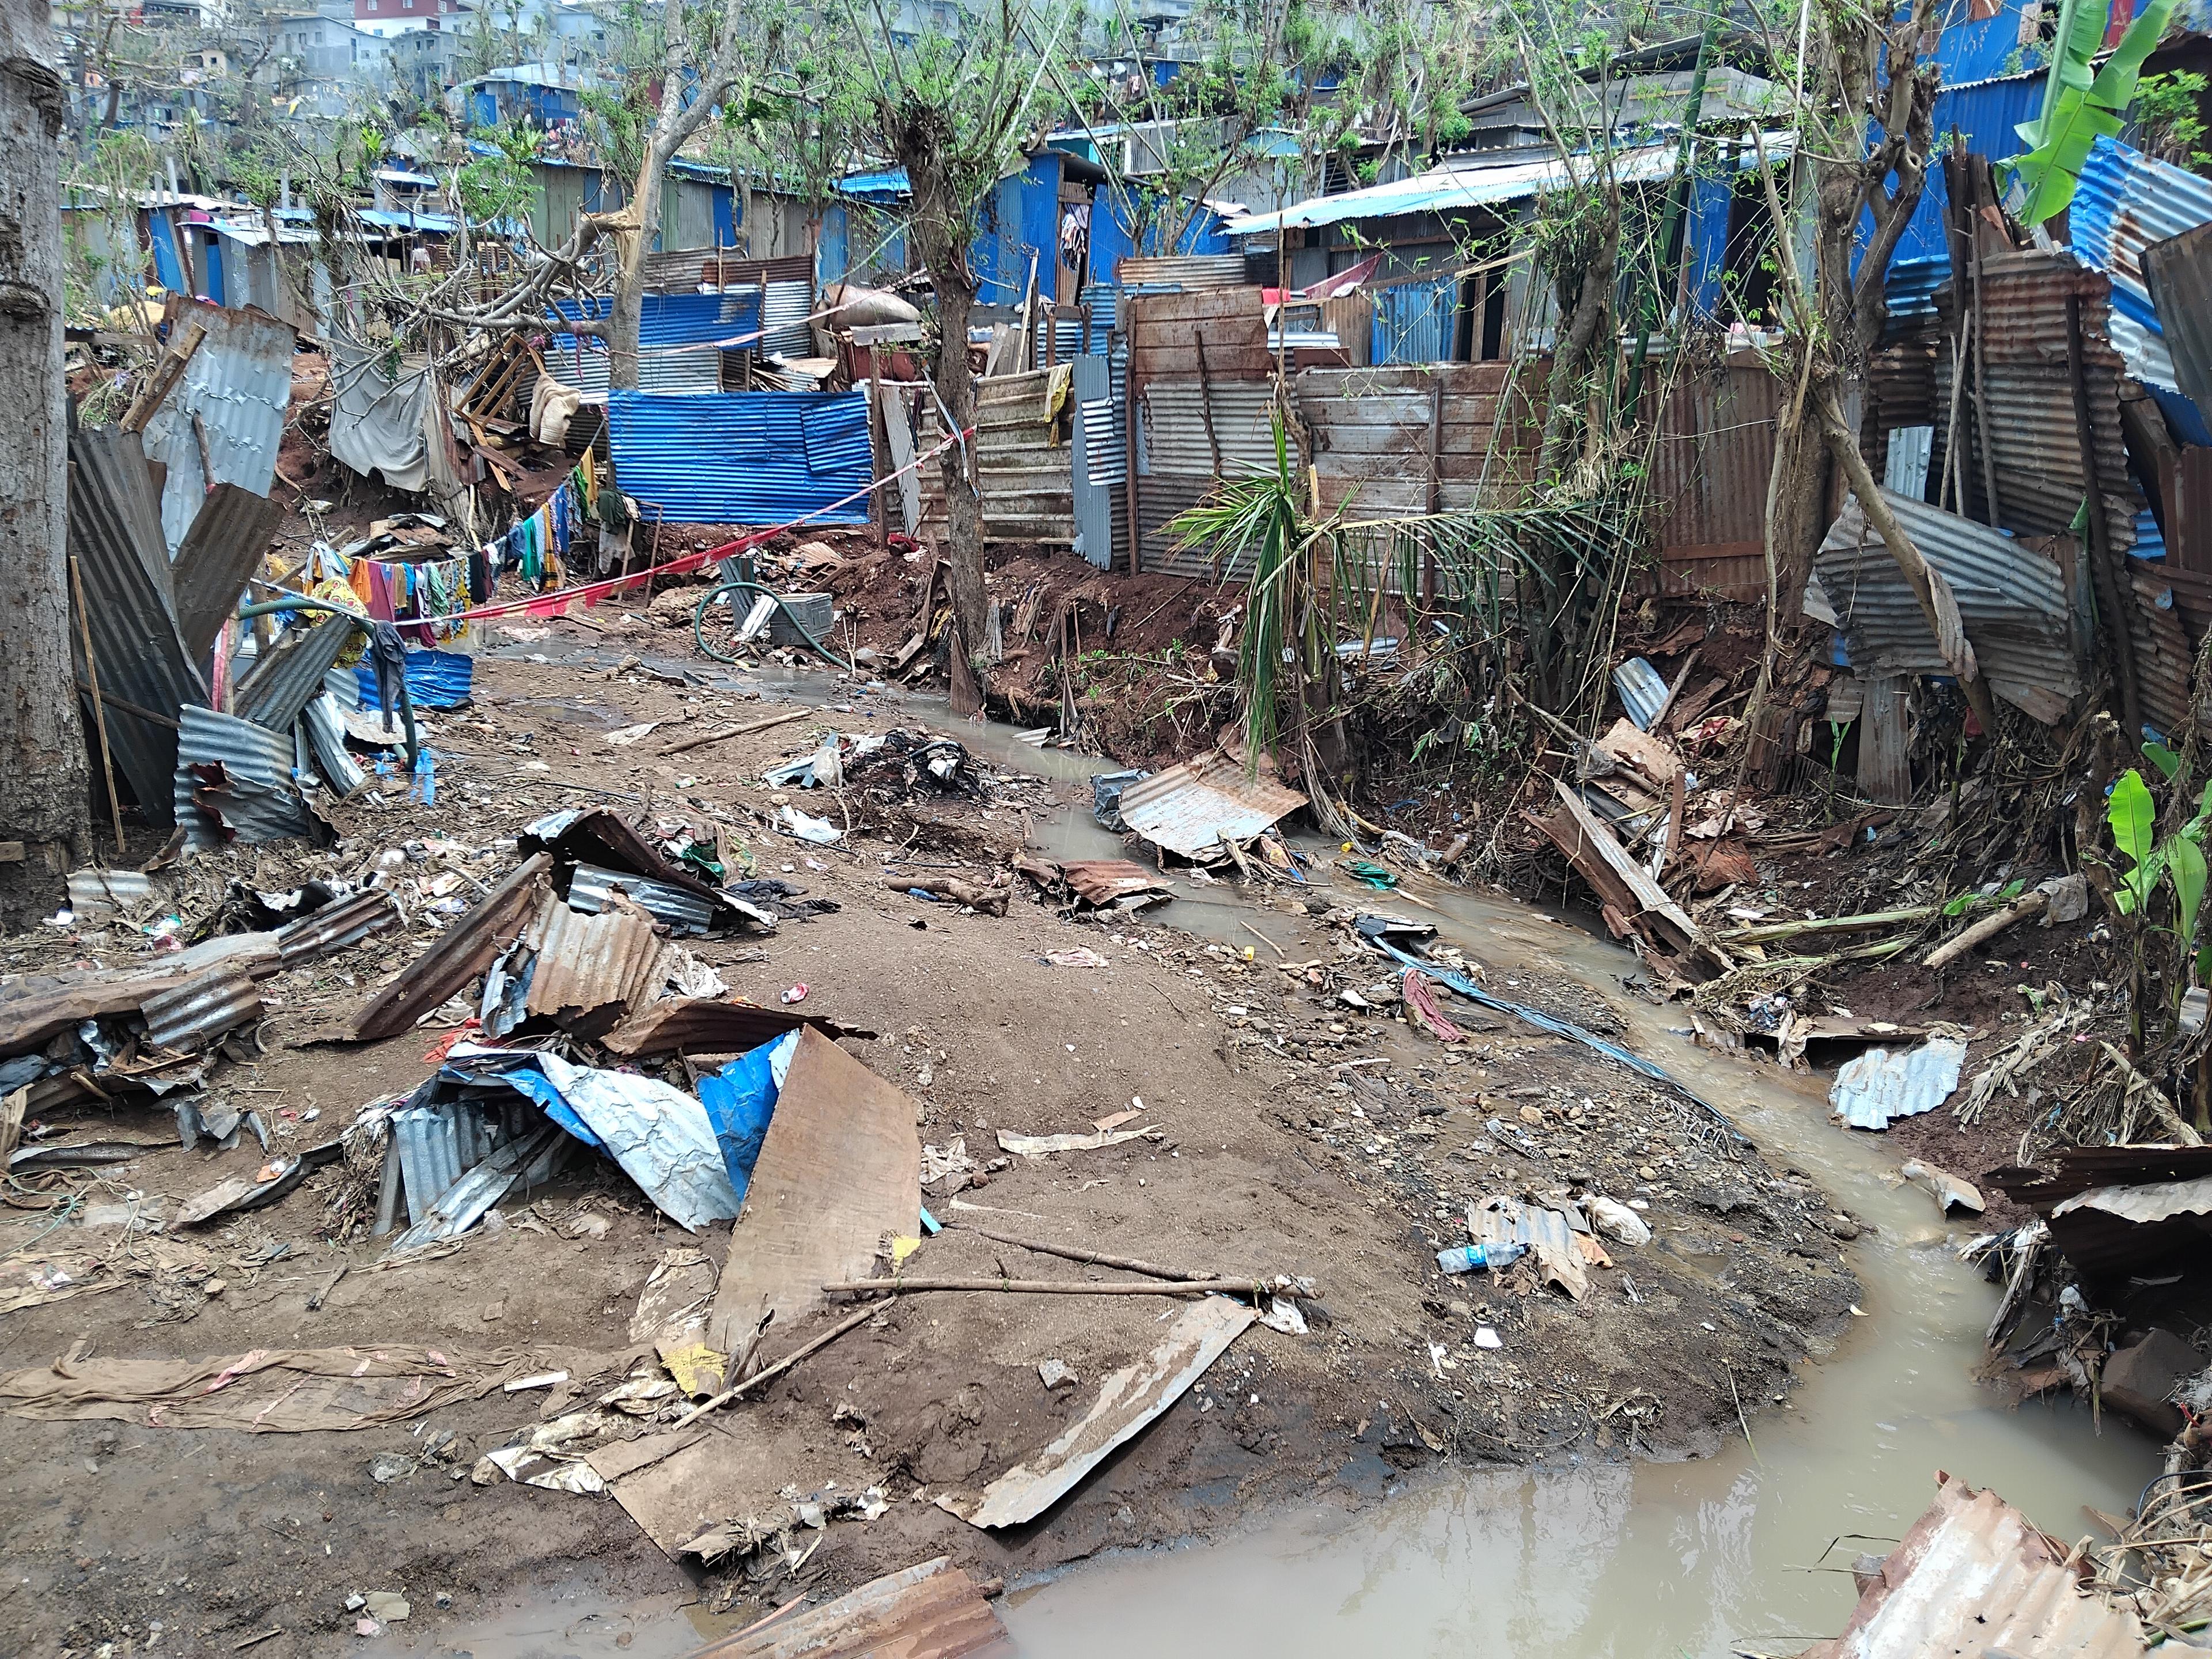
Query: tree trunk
[1800, 517]
[963, 505]
[626, 309]
[1571, 347]
[43, 775]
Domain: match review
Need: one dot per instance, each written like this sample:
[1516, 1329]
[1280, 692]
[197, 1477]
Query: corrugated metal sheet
[1183, 273]
[575, 966]
[2013, 599]
[744, 458]
[2125, 201]
[1910, 293]
[1190, 808]
[667, 320]
[1879, 1085]
[96, 893]
[785, 330]
[2178, 273]
[236, 390]
[1175, 434]
[115, 531]
[2163, 659]
[255, 795]
[325, 729]
[591, 885]
[706, 1026]
[336, 927]
[1415, 322]
[202, 1010]
[677, 373]
[1973, 1577]
[465, 949]
[1100, 465]
[231, 532]
[290, 677]
[2029, 395]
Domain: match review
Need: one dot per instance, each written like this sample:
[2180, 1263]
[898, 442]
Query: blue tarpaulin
[435, 679]
[742, 457]
[740, 1099]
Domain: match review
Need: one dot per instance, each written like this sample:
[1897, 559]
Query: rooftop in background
[536, 75]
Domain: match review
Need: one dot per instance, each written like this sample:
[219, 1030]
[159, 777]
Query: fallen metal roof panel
[285, 680]
[1880, 1085]
[708, 1025]
[1190, 808]
[325, 728]
[336, 927]
[2012, 600]
[257, 796]
[465, 949]
[203, 1008]
[2124, 202]
[2178, 274]
[238, 385]
[934, 1609]
[1973, 1577]
[229, 534]
[115, 532]
[592, 887]
[581, 969]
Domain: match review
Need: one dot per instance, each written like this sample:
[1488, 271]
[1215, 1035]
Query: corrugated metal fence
[742, 457]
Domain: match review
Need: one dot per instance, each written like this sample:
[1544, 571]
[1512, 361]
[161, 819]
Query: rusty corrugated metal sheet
[2013, 600]
[1973, 1576]
[2163, 659]
[575, 968]
[224, 546]
[204, 1008]
[2031, 398]
[2095, 1239]
[462, 952]
[235, 392]
[336, 927]
[1185, 271]
[115, 532]
[592, 886]
[708, 1025]
[930, 1611]
[2189, 526]
[2178, 273]
[1189, 808]
[1710, 468]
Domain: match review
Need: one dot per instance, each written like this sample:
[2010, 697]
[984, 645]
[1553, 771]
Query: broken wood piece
[899, 1287]
[2026, 905]
[987, 901]
[1039, 1146]
[745, 730]
[1128, 1400]
[1098, 1258]
[1596, 852]
[1767, 933]
[163, 381]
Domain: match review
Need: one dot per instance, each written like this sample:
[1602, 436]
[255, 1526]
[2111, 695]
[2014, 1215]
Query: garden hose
[699, 625]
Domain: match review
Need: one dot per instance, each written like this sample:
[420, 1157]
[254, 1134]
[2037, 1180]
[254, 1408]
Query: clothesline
[550, 602]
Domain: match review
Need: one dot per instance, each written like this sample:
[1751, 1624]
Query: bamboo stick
[2026, 905]
[1045, 1286]
[1763, 933]
[746, 730]
[1098, 1258]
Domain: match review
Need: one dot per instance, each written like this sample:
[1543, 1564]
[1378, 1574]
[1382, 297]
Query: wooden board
[930, 1611]
[840, 1172]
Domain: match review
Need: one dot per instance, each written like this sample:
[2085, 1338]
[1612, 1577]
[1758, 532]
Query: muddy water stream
[1698, 1558]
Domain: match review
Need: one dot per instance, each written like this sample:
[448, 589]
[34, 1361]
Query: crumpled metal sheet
[325, 729]
[290, 676]
[660, 1136]
[203, 1010]
[592, 888]
[2009, 595]
[1974, 1576]
[336, 927]
[1191, 808]
[239, 770]
[581, 970]
[236, 390]
[1880, 1085]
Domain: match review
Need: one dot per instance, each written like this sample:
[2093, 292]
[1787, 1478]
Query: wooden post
[99, 709]
[1205, 399]
[879, 448]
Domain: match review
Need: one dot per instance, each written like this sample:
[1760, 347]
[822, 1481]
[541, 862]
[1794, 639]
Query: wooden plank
[1885, 772]
[898, 439]
[1651, 900]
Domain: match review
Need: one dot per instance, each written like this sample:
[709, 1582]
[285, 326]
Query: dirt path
[1297, 1136]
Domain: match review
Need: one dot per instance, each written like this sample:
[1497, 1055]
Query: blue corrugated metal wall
[1111, 241]
[1986, 115]
[831, 259]
[742, 457]
[1707, 231]
[679, 318]
[1414, 321]
[167, 271]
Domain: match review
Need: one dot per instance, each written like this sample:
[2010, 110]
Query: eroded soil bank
[1297, 1136]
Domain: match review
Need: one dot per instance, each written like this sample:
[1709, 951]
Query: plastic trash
[1106, 796]
[806, 827]
[425, 787]
[1465, 1258]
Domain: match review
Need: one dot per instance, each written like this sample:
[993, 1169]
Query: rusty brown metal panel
[1188, 808]
[231, 532]
[1027, 480]
[1973, 1576]
[337, 926]
[2188, 536]
[1710, 468]
[462, 952]
[580, 963]
[2161, 649]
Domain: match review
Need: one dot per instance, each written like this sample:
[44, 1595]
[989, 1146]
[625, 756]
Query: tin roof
[573, 966]
[1190, 808]
[2125, 201]
[1880, 1085]
[228, 535]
